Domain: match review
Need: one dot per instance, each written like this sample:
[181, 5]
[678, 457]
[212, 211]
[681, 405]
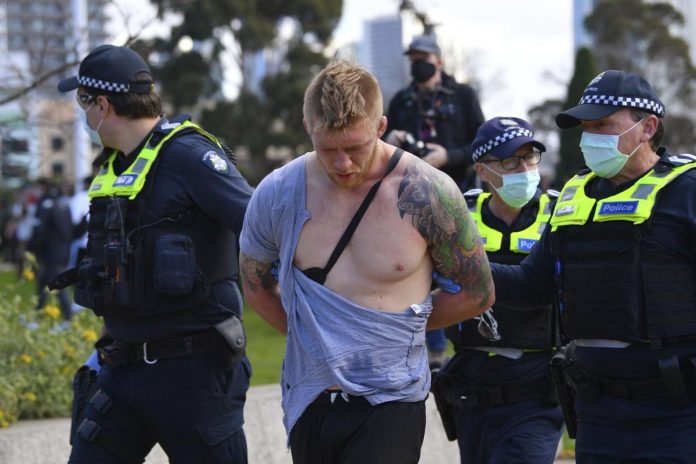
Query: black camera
[412, 145]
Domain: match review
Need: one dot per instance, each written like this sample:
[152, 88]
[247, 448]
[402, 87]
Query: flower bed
[39, 354]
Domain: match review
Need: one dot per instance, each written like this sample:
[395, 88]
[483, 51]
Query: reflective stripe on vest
[131, 181]
[634, 204]
[520, 242]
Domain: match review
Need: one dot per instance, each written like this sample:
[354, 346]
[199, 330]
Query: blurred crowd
[43, 232]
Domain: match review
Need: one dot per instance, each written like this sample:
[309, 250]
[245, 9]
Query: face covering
[93, 133]
[518, 188]
[421, 70]
[601, 152]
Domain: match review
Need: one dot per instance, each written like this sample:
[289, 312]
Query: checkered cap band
[499, 140]
[629, 102]
[103, 85]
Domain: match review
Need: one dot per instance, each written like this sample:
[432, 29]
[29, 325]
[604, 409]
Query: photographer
[435, 118]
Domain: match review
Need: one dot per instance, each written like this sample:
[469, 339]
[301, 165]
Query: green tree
[570, 155]
[264, 127]
[542, 118]
[636, 35]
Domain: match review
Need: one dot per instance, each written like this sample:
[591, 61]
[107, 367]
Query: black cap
[609, 92]
[423, 43]
[111, 69]
[501, 137]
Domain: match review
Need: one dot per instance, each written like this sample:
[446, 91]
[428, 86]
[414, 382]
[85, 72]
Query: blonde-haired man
[356, 375]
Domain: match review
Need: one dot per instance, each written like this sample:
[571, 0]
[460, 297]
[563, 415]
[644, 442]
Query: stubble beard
[358, 178]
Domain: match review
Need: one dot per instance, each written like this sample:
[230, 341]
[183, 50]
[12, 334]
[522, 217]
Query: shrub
[39, 354]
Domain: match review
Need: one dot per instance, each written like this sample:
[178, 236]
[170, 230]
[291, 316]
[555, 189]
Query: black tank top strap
[319, 274]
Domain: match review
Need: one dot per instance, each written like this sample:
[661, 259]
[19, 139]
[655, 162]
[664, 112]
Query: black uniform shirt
[458, 118]
[185, 179]
[673, 228]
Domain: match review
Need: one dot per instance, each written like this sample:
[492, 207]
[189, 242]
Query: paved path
[46, 441]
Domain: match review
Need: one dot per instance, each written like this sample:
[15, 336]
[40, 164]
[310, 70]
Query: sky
[521, 52]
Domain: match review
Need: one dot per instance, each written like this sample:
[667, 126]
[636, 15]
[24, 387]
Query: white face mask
[601, 152]
[93, 133]
[518, 188]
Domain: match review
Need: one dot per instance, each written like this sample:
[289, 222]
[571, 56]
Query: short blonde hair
[341, 94]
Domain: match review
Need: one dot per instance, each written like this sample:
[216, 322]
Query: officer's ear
[481, 172]
[103, 105]
[649, 127]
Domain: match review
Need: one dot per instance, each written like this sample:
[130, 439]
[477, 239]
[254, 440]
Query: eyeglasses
[488, 326]
[85, 99]
[531, 159]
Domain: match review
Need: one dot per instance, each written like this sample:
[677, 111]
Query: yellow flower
[25, 358]
[28, 274]
[29, 396]
[52, 311]
[89, 335]
[66, 370]
[4, 424]
[40, 354]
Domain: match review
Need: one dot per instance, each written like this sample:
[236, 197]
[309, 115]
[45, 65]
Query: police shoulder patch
[215, 161]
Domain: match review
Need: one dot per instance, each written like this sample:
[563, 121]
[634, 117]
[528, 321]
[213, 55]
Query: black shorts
[339, 428]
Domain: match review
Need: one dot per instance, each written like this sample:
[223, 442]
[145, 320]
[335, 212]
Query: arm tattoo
[256, 274]
[439, 212]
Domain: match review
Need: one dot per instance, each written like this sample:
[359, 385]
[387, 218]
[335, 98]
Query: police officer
[435, 118]
[161, 269]
[496, 387]
[620, 257]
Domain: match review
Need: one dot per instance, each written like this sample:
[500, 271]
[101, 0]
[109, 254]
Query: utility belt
[227, 338]
[452, 394]
[469, 396]
[676, 382]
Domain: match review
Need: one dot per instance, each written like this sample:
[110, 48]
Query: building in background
[37, 43]
[382, 52]
[688, 31]
[581, 38]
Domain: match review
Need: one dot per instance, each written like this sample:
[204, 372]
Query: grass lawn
[265, 349]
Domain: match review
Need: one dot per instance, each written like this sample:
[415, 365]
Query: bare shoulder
[437, 209]
[425, 193]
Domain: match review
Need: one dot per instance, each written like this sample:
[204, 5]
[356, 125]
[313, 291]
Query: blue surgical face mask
[601, 152]
[518, 188]
[93, 133]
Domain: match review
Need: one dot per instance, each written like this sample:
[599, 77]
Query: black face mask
[421, 70]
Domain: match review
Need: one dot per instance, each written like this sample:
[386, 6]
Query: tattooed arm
[261, 292]
[437, 209]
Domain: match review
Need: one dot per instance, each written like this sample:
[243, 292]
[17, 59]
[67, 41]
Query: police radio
[114, 277]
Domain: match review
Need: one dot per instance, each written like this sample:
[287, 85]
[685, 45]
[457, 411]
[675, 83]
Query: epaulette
[473, 192]
[684, 158]
[669, 161]
[553, 193]
[229, 153]
[166, 127]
